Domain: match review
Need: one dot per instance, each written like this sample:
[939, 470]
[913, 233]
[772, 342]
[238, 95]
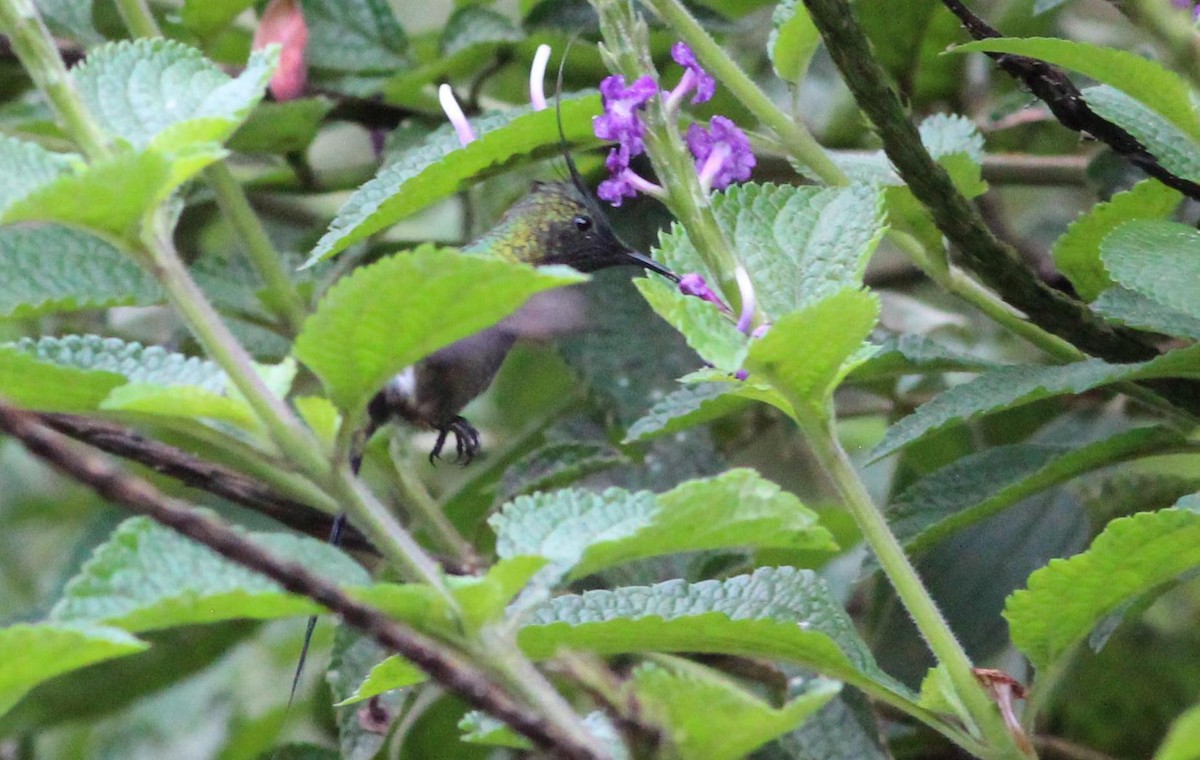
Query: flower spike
[723, 154]
[537, 76]
[620, 122]
[456, 116]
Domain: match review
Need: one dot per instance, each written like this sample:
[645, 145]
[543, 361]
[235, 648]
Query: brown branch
[440, 662]
[996, 264]
[203, 475]
[1052, 86]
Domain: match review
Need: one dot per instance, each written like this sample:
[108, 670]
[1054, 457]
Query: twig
[992, 261]
[443, 664]
[1066, 102]
[198, 473]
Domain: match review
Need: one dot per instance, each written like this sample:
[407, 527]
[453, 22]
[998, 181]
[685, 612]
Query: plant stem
[137, 18]
[798, 141]
[903, 576]
[414, 494]
[35, 49]
[282, 296]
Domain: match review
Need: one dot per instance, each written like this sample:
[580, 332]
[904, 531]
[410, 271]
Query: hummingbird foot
[466, 442]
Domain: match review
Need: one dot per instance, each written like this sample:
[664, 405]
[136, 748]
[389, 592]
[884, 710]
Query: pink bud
[283, 24]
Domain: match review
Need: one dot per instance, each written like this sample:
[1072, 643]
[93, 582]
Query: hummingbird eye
[582, 223]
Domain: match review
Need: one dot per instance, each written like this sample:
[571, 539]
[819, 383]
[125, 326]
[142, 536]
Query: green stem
[825, 447]
[138, 18]
[798, 141]
[415, 495]
[282, 296]
[35, 49]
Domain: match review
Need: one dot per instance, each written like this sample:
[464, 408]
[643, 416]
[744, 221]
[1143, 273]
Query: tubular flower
[694, 78]
[537, 77]
[283, 24]
[620, 121]
[693, 284]
[723, 154]
[455, 114]
[624, 182]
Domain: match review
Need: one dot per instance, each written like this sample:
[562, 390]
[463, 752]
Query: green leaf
[557, 464]
[438, 167]
[1175, 150]
[799, 244]
[1161, 90]
[845, 729]
[583, 532]
[36, 652]
[357, 36]
[777, 613]
[1183, 739]
[147, 576]
[386, 316]
[1077, 252]
[1018, 385]
[709, 717]
[1066, 599]
[980, 485]
[914, 354]
[111, 196]
[71, 19]
[281, 127]
[163, 93]
[706, 330]
[27, 166]
[1130, 308]
[185, 401]
[687, 407]
[1157, 259]
[47, 269]
[353, 656]
[482, 728]
[28, 382]
[472, 25]
[807, 353]
[207, 17]
[153, 365]
[792, 41]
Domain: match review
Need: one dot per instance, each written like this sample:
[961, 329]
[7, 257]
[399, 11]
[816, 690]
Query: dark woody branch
[995, 263]
[442, 663]
[198, 473]
[1052, 86]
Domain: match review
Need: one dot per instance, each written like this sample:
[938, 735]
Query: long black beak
[645, 262]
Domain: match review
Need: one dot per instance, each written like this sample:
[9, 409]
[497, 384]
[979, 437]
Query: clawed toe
[466, 442]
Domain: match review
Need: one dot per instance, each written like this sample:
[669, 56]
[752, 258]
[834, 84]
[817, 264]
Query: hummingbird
[555, 223]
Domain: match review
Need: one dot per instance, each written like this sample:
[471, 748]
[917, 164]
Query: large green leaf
[1171, 146]
[438, 166]
[776, 613]
[27, 381]
[793, 40]
[153, 365]
[557, 464]
[207, 17]
[1014, 386]
[807, 353]
[709, 717]
[1160, 89]
[1181, 742]
[36, 652]
[710, 334]
[1128, 307]
[799, 244]
[27, 166]
[356, 36]
[979, 485]
[147, 576]
[583, 532]
[163, 93]
[51, 269]
[1066, 599]
[1077, 252]
[1160, 260]
[684, 408]
[386, 316]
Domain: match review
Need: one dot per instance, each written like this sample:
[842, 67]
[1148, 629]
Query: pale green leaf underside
[1169, 144]
[438, 167]
[354, 36]
[1066, 599]
[163, 92]
[27, 166]
[1133, 309]
[583, 532]
[1013, 386]
[50, 269]
[799, 244]
[979, 485]
[1158, 88]
[1077, 252]
[386, 316]
[148, 577]
[775, 613]
[152, 365]
[36, 652]
[709, 717]
[1160, 260]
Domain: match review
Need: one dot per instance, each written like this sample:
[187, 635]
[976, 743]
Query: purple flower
[723, 154]
[693, 284]
[624, 182]
[620, 122]
[694, 77]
